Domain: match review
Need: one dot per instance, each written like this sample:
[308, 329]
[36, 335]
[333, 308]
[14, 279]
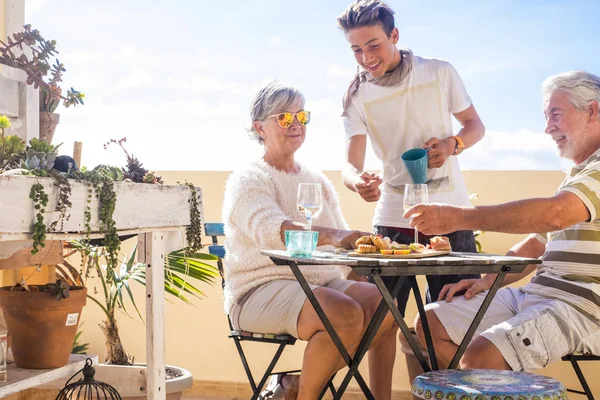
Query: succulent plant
[59, 289]
[11, 149]
[38, 160]
[40, 70]
[110, 171]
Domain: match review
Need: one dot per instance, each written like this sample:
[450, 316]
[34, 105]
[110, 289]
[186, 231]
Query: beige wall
[197, 336]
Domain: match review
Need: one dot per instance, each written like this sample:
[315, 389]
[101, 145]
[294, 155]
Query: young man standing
[402, 101]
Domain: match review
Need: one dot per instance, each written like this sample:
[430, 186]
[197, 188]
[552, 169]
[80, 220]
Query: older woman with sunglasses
[260, 205]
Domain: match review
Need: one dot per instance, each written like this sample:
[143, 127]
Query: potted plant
[43, 71]
[113, 294]
[42, 321]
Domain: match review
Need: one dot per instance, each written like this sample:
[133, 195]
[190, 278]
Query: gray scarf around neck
[391, 78]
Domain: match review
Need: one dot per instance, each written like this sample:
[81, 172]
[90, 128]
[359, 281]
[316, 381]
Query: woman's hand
[343, 238]
[470, 286]
[439, 151]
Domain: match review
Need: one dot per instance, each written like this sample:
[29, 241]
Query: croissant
[364, 240]
[366, 248]
[380, 243]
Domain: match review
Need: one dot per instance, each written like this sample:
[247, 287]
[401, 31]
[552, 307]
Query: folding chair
[215, 230]
[573, 359]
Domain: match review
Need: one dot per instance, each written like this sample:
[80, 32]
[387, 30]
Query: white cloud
[81, 58]
[521, 150]
[492, 65]
[128, 53]
[275, 40]
[208, 85]
[338, 72]
[33, 6]
[136, 78]
[338, 76]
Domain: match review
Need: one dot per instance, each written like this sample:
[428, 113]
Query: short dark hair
[367, 13]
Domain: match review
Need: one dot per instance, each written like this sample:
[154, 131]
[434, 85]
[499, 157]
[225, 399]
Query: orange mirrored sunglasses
[286, 119]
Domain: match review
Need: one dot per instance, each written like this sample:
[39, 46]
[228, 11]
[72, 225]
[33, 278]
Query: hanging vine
[40, 201]
[193, 232]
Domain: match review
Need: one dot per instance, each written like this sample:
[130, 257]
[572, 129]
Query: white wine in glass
[310, 201]
[415, 194]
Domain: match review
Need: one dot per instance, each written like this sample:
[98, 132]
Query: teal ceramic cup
[301, 243]
[415, 161]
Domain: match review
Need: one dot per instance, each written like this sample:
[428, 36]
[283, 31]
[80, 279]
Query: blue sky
[177, 77]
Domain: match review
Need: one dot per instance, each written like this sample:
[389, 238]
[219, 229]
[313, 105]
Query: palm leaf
[126, 284]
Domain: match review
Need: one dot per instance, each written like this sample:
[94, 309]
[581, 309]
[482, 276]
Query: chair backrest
[216, 230]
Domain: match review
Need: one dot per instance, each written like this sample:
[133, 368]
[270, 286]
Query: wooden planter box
[158, 213]
[139, 208]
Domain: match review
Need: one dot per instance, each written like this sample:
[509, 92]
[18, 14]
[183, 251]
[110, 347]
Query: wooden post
[155, 317]
[77, 153]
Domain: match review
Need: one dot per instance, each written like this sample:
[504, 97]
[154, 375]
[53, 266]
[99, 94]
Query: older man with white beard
[558, 312]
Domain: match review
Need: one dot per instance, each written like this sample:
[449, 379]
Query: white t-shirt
[403, 117]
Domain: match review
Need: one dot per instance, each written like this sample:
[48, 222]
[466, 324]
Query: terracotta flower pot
[42, 328]
[48, 122]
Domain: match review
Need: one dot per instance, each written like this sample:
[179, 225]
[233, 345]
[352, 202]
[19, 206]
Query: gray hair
[367, 13]
[273, 98]
[581, 86]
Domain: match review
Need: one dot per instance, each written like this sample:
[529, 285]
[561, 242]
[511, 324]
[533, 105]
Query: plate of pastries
[382, 247]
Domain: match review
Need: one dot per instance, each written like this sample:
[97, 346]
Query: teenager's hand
[439, 151]
[367, 186]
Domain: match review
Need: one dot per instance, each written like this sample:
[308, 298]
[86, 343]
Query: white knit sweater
[258, 199]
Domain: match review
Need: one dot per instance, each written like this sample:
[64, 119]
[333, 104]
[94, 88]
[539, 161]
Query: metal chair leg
[586, 389]
[246, 366]
[269, 369]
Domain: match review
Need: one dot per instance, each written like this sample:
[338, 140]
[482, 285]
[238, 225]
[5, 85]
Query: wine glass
[415, 194]
[310, 201]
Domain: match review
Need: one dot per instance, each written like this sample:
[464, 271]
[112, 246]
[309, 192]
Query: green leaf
[126, 284]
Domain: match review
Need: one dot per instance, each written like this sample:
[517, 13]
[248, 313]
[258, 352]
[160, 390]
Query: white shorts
[275, 307]
[529, 330]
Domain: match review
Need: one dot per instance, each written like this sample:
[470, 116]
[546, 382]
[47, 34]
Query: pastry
[366, 248]
[380, 243]
[440, 243]
[364, 240]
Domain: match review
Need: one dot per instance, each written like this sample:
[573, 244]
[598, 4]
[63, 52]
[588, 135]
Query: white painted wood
[139, 207]
[9, 98]
[22, 379]
[26, 98]
[15, 19]
[29, 112]
[130, 380]
[9, 237]
[155, 318]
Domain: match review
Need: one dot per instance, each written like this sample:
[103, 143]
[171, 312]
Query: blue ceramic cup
[301, 243]
[416, 164]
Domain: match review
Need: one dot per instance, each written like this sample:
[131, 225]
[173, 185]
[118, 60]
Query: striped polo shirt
[570, 269]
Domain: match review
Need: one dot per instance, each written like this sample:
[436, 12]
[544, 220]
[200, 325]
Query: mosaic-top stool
[485, 384]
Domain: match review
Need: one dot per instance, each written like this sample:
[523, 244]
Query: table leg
[400, 321]
[478, 317]
[371, 331]
[332, 333]
[425, 323]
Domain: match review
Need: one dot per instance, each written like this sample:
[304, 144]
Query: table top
[453, 263]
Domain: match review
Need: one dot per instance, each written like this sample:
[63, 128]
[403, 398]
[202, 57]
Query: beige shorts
[275, 307]
[530, 331]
